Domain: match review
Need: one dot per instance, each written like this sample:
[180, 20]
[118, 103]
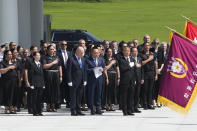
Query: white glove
[85, 83]
[32, 87]
[43, 87]
[70, 84]
[131, 64]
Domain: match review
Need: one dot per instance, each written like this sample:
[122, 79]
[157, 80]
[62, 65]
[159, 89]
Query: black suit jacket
[127, 73]
[75, 74]
[59, 54]
[36, 76]
[64, 66]
[139, 71]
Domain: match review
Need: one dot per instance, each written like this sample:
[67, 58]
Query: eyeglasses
[64, 44]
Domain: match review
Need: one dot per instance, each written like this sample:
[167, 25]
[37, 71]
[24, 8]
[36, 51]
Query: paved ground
[161, 119]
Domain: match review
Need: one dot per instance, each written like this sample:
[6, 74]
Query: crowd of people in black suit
[97, 77]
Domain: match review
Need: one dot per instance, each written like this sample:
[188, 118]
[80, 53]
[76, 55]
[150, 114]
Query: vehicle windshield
[59, 36]
[92, 37]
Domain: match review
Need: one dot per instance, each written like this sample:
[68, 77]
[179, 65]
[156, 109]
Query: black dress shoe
[73, 113]
[130, 113]
[35, 115]
[151, 108]
[125, 113]
[137, 111]
[80, 113]
[67, 105]
[40, 114]
[99, 112]
[145, 108]
[92, 112]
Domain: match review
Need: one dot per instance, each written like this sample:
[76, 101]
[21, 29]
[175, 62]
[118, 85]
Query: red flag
[179, 82]
[190, 31]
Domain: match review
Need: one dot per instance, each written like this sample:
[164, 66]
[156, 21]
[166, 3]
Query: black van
[72, 37]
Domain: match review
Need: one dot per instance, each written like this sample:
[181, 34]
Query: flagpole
[173, 30]
[188, 19]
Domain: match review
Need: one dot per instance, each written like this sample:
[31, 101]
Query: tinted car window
[80, 36]
[59, 36]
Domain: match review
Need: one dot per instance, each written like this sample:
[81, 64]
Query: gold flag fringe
[172, 105]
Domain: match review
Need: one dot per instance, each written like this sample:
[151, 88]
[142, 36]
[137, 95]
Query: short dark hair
[94, 48]
[12, 50]
[19, 47]
[125, 47]
[3, 46]
[5, 53]
[32, 47]
[35, 53]
[48, 47]
[11, 43]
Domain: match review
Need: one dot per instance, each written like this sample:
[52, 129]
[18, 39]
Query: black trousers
[29, 100]
[63, 86]
[127, 97]
[137, 93]
[84, 99]
[20, 95]
[76, 95]
[10, 86]
[157, 86]
[148, 91]
[37, 100]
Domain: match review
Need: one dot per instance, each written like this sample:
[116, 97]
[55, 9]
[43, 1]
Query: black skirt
[110, 90]
[1, 92]
[52, 87]
[9, 89]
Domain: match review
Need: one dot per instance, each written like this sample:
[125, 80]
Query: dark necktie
[127, 59]
[38, 65]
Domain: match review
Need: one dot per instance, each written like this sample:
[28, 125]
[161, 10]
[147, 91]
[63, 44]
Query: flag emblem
[177, 68]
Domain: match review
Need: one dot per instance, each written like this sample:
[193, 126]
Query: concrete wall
[8, 21]
[24, 23]
[21, 21]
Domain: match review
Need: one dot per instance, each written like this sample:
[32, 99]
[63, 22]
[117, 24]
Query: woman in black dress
[8, 69]
[112, 80]
[18, 94]
[53, 78]
[24, 87]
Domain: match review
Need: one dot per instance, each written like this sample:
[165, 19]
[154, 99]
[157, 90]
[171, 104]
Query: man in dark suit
[139, 78]
[28, 62]
[36, 84]
[127, 76]
[94, 62]
[76, 80]
[64, 55]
